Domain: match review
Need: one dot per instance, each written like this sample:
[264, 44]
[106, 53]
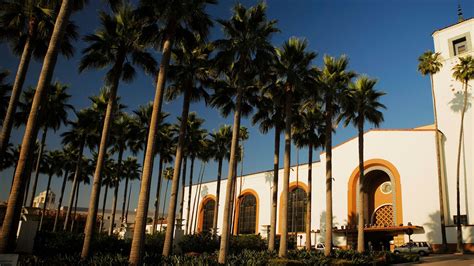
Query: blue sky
[382, 39]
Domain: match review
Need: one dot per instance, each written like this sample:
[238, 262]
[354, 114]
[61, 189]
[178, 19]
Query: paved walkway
[448, 259]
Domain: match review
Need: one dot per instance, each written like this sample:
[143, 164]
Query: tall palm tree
[66, 161]
[190, 71]
[332, 82]
[27, 26]
[196, 142]
[5, 91]
[85, 176]
[430, 64]
[119, 43]
[180, 18]
[307, 130]
[463, 71]
[293, 68]
[131, 171]
[244, 51]
[168, 175]
[362, 104]
[12, 216]
[166, 148]
[50, 166]
[82, 133]
[53, 115]
[123, 137]
[220, 149]
[108, 181]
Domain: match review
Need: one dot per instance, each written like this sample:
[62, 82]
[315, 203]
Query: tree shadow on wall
[322, 234]
[457, 102]
[433, 228]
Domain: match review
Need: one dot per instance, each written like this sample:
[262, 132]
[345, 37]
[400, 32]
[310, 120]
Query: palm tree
[166, 148]
[27, 26]
[269, 115]
[292, 67]
[66, 161]
[362, 104]
[5, 91]
[196, 142]
[308, 133]
[82, 133]
[119, 43]
[12, 215]
[108, 181]
[168, 175]
[180, 18]
[50, 166]
[85, 175]
[430, 64]
[122, 138]
[241, 55]
[131, 171]
[332, 82]
[53, 115]
[220, 149]
[463, 71]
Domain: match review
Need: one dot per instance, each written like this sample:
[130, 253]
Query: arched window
[297, 210]
[247, 214]
[208, 215]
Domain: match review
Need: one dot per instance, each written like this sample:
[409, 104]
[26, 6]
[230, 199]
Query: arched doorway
[247, 213]
[381, 203]
[297, 210]
[206, 214]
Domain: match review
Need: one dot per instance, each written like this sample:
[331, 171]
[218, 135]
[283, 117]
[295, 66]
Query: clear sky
[382, 39]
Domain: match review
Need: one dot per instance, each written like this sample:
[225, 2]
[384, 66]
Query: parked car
[320, 247]
[422, 248]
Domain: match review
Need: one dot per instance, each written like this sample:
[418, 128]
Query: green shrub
[199, 243]
[52, 244]
[250, 257]
[247, 242]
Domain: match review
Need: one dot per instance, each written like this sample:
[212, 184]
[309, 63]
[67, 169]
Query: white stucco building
[402, 186]
[39, 200]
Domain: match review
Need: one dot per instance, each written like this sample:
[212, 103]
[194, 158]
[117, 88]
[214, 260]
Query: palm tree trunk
[360, 198]
[440, 178]
[15, 199]
[193, 213]
[188, 222]
[117, 184]
[104, 202]
[17, 87]
[30, 163]
[74, 216]
[328, 234]
[95, 193]
[157, 200]
[233, 206]
[183, 184]
[144, 196]
[164, 202]
[273, 210]
[77, 173]
[308, 202]
[218, 192]
[46, 198]
[286, 176]
[224, 245]
[177, 167]
[125, 190]
[114, 209]
[196, 203]
[128, 201]
[459, 246]
[63, 187]
[38, 163]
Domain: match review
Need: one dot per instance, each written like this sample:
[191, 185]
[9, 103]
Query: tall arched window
[208, 215]
[247, 214]
[297, 210]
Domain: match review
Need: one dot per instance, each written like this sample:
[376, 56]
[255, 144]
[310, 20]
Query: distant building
[38, 202]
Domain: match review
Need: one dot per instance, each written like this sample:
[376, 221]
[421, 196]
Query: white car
[421, 248]
[320, 247]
